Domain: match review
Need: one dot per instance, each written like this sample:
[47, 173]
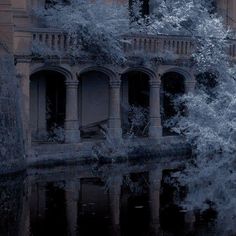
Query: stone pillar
[115, 130]
[190, 86]
[155, 128]
[72, 199]
[190, 220]
[114, 195]
[23, 75]
[155, 177]
[72, 133]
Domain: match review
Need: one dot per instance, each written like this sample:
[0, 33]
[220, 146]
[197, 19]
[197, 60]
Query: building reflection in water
[80, 200]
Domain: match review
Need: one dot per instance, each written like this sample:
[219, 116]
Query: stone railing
[232, 49]
[161, 45]
[52, 39]
[158, 45]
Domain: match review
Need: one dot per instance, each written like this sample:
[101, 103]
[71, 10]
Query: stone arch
[135, 98]
[108, 72]
[94, 99]
[47, 103]
[150, 73]
[173, 85]
[188, 76]
[68, 75]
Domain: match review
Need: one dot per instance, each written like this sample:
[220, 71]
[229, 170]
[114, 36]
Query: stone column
[190, 86]
[155, 128]
[114, 195]
[72, 133]
[23, 75]
[190, 220]
[115, 130]
[72, 199]
[155, 177]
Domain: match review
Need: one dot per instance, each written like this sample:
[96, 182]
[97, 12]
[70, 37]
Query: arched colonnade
[95, 97]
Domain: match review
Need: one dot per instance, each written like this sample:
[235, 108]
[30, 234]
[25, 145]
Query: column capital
[115, 83]
[72, 83]
[192, 81]
[155, 82]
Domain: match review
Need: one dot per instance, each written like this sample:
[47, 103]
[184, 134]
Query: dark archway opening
[47, 106]
[172, 87]
[135, 103]
[93, 104]
[56, 100]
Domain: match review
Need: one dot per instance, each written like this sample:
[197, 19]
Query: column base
[72, 136]
[155, 132]
[115, 133]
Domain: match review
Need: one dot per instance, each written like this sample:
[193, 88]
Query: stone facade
[85, 98]
[11, 143]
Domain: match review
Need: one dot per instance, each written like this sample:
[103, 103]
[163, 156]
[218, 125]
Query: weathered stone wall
[11, 144]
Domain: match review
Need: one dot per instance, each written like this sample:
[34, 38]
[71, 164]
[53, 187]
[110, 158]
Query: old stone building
[11, 145]
[81, 100]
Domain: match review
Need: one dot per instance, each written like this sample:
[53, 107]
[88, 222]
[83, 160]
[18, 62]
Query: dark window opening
[144, 8]
[135, 104]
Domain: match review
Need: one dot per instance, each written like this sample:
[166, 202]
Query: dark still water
[114, 199]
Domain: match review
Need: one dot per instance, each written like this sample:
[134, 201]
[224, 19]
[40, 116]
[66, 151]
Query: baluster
[169, 45]
[43, 38]
[144, 44]
[173, 46]
[53, 41]
[182, 47]
[155, 45]
[58, 42]
[164, 46]
[62, 42]
[67, 42]
[161, 45]
[186, 48]
[139, 43]
[177, 49]
[46, 40]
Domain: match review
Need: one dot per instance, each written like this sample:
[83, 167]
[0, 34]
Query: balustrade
[161, 45]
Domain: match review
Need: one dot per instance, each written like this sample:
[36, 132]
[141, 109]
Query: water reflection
[119, 199]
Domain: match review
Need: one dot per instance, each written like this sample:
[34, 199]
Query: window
[145, 6]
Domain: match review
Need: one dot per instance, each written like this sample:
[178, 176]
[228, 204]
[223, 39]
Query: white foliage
[210, 126]
[95, 27]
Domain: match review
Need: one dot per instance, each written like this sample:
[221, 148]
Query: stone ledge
[167, 150]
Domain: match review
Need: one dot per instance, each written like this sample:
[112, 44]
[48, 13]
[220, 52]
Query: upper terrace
[161, 46]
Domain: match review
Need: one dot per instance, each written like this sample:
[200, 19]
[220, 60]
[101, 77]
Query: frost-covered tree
[210, 125]
[97, 28]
